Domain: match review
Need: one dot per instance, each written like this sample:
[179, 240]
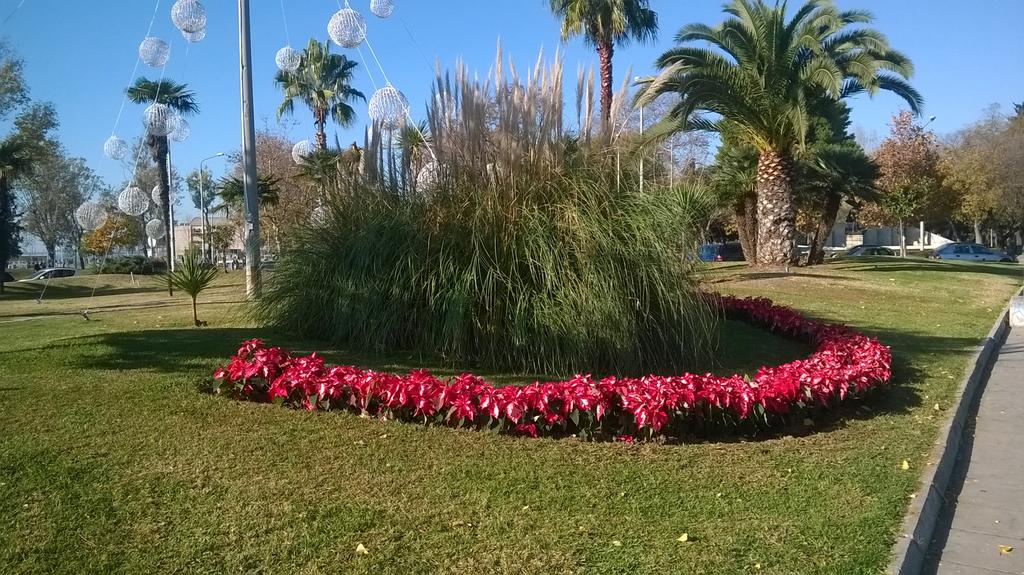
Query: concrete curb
[918, 527]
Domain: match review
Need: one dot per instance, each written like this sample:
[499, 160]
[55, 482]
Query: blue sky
[80, 54]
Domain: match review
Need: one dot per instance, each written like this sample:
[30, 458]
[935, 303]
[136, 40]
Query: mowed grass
[113, 459]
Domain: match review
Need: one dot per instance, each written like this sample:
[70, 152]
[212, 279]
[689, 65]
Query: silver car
[971, 253]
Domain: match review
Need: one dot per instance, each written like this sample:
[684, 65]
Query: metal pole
[170, 212]
[202, 207]
[252, 215]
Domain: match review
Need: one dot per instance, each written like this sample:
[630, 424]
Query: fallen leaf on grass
[362, 550]
[617, 543]
[905, 466]
[683, 538]
[1005, 549]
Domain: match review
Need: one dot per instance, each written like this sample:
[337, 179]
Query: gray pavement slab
[986, 510]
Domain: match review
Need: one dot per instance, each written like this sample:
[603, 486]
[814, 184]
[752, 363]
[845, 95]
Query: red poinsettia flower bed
[844, 363]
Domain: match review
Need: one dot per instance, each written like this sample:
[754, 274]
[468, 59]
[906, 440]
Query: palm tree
[180, 99]
[322, 84]
[759, 76]
[193, 277]
[232, 194]
[15, 162]
[605, 24]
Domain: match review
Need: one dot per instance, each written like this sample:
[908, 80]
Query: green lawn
[112, 458]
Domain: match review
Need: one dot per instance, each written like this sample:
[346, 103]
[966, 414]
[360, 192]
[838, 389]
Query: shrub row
[138, 265]
[844, 363]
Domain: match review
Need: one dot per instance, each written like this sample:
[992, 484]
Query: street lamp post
[252, 216]
[202, 206]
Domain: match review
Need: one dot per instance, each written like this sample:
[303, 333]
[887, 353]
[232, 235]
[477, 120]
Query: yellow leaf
[905, 466]
[362, 550]
[1005, 549]
[683, 538]
[757, 566]
[617, 543]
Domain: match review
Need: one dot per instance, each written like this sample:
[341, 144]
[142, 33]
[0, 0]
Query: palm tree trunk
[745, 213]
[320, 117]
[605, 51]
[195, 315]
[776, 214]
[158, 147]
[823, 228]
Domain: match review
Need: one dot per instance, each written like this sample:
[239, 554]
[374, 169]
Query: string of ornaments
[189, 17]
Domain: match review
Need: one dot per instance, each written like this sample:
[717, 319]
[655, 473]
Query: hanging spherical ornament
[133, 201]
[389, 107]
[154, 52]
[347, 28]
[301, 150]
[288, 59]
[115, 148]
[382, 8]
[188, 16]
[90, 216]
[194, 37]
[429, 177]
[180, 129]
[158, 119]
[156, 229]
[157, 197]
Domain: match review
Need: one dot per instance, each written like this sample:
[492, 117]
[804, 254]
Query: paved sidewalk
[981, 530]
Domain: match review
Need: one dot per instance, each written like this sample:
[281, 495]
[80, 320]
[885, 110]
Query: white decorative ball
[188, 16]
[133, 201]
[156, 229]
[154, 52]
[115, 148]
[90, 216]
[194, 37]
[382, 8]
[288, 59]
[429, 177]
[389, 107]
[157, 197]
[158, 119]
[180, 129]
[302, 149]
[347, 28]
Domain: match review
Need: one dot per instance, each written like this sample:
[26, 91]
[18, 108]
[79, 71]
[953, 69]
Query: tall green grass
[530, 248]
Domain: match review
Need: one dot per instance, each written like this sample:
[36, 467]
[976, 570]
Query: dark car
[867, 250]
[727, 252]
[971, 253]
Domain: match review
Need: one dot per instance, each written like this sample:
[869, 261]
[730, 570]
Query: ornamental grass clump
[521, 248]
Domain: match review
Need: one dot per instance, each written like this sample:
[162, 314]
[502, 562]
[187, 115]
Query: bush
[138, 265]
[500, 241]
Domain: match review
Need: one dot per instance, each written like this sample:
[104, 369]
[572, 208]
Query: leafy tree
[323, 83]
[15, 163]
[201, 201]
[119, 231]
[193, 277]
[180, 99]
[759, 77]
[605, 24]
[13, 91]
[908, 172]
[221, 238]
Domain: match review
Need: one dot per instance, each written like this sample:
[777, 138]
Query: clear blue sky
[79, 54]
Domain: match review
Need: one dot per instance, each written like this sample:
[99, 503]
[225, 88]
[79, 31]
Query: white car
[50, 273]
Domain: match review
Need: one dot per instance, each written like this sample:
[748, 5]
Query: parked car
[727, 252]
[50, 273]
[970, 252]
[866, 250]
